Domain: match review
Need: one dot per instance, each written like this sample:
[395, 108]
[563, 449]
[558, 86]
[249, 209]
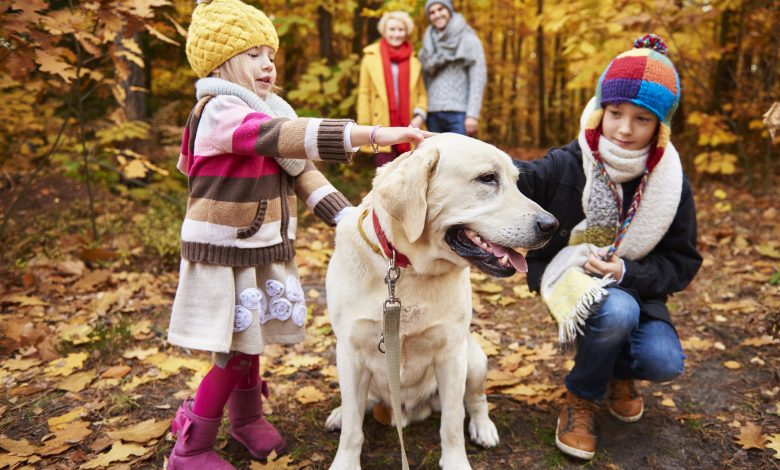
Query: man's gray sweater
[458, 86]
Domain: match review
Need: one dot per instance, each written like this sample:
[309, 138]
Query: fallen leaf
[488, 287]
[20, 448]
[309, 394]
[751, 437]
[70, 435]
[668, 402]
[139, 353]
[67, 365]
[57, 422]
[77, 334]
[141, 432]
[23, 300]
[77, 382]
[116, 372]
[733, 365]
[522, 291]
[488, 347]
[119, 452]
[274, 462]
[20, 364]
[696, 343]
[774, 444]
[758, 342]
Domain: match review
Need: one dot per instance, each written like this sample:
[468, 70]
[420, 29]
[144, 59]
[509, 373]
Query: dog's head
[454, 199]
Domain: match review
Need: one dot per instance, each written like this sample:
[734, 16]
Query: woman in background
[391, 89]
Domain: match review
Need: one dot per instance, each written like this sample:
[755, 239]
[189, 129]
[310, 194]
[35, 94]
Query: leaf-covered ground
[88, 380]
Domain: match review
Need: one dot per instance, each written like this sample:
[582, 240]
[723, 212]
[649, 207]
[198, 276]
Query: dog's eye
[488, 178]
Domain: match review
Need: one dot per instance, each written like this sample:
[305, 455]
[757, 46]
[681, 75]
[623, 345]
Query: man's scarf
[398, 106]
[572, 295]
[441, 48]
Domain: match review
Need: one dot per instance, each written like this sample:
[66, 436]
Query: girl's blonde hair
[399, 15]
[238, 70]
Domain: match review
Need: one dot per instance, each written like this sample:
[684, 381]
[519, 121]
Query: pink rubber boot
[248, 425]
[195, 438]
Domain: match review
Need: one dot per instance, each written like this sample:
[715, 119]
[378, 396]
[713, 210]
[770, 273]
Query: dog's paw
[483, 432]
[333, 423]
[459, 461]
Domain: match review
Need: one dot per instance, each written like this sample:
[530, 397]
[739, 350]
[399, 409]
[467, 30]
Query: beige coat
[373, 107]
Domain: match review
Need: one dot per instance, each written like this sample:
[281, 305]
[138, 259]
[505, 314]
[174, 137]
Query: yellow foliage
[719, 163]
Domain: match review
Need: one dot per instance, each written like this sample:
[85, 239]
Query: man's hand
[471, 125]
[417, 122]
[597, 265]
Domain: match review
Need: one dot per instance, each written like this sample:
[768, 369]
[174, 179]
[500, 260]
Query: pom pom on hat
[222, 29]
[643, 76]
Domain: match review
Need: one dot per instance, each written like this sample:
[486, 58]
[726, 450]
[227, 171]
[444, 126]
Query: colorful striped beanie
[643, 76]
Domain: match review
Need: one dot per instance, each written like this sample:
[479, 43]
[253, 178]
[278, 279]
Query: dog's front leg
[354, 378]
[450, 367]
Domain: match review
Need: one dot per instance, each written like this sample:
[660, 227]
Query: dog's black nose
[546, 223]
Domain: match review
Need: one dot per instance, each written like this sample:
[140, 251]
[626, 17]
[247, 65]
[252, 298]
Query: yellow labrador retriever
[451, 203]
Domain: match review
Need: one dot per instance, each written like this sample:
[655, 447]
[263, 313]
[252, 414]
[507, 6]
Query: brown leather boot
[576, 433]
[623, 400]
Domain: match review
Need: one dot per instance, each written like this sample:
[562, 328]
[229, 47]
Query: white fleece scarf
[273, 106]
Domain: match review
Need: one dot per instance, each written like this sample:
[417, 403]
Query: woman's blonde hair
[399, 15]
[238, 70]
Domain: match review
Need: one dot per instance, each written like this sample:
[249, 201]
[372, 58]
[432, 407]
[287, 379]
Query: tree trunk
[540, 84]
[325, 25]
[135, 87]
[724, 80]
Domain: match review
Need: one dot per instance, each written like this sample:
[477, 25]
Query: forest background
[94, 95]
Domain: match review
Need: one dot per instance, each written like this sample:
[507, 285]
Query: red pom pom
[651, 41]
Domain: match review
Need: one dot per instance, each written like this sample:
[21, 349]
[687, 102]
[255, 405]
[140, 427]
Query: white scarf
[273, 106]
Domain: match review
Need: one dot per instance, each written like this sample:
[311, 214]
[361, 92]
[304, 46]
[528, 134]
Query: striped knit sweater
[242, 206]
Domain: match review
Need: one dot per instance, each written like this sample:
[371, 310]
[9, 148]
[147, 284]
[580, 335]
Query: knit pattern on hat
[222, 29]
[643, 76]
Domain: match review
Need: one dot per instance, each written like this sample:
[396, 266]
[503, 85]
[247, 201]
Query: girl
[247, 157]
[626, 241]
[391, 90]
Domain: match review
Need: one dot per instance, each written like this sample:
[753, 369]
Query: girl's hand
[597, 265]
[396, 135]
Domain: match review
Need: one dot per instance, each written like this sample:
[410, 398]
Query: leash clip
[391, 278]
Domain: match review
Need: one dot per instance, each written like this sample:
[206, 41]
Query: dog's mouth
[493, 259]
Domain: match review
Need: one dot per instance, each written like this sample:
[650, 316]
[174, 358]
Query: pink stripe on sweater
[246, 134]
[234, 166]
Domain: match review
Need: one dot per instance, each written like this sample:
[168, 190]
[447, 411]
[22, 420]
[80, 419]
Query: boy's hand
[396, 135]
[597, 265]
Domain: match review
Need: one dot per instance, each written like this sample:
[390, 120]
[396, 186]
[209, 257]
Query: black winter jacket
[556, 183]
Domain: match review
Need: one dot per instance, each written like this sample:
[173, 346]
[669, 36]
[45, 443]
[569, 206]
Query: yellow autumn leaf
[309, 394]
[668, 402]
[77, 382]
[521, 291]
[487, 346]
[274, 462]
[77, 334]
[20, 364]
[141, 432]
[768, 250]
[67, 365]
[64, 438]
[488, 287]
[733, 365]
[20, 448]
[134, 169]
[119, 452]
[138, 353]
[304, 361]
[720, 194]
[774, 444]
[57, 422]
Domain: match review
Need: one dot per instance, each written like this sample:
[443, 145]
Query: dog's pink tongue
[515, 259]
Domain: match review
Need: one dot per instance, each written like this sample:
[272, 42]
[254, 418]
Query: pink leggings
[242, 371]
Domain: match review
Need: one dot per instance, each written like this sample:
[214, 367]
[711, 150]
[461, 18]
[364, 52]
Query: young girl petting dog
[626, 241]
[247, 157]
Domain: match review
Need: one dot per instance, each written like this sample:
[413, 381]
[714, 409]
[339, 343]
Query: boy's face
[628, 126]
[261, 60]
[439, 16]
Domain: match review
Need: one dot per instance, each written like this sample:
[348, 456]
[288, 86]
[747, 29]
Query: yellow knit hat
[221, 29]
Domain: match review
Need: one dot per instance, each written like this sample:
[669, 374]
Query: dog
[450, 204]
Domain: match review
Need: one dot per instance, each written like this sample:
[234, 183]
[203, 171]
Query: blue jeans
[446, 121]
[618, 343]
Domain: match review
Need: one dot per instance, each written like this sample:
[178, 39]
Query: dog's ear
[403, 188]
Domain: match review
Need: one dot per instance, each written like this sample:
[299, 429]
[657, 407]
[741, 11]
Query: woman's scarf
[441, 48]
[570, 293]
[274, 106]
[399, 106]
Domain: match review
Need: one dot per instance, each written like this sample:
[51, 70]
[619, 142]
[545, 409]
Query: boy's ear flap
[402, 186]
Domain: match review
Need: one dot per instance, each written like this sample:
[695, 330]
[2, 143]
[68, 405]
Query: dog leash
[390, 338]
